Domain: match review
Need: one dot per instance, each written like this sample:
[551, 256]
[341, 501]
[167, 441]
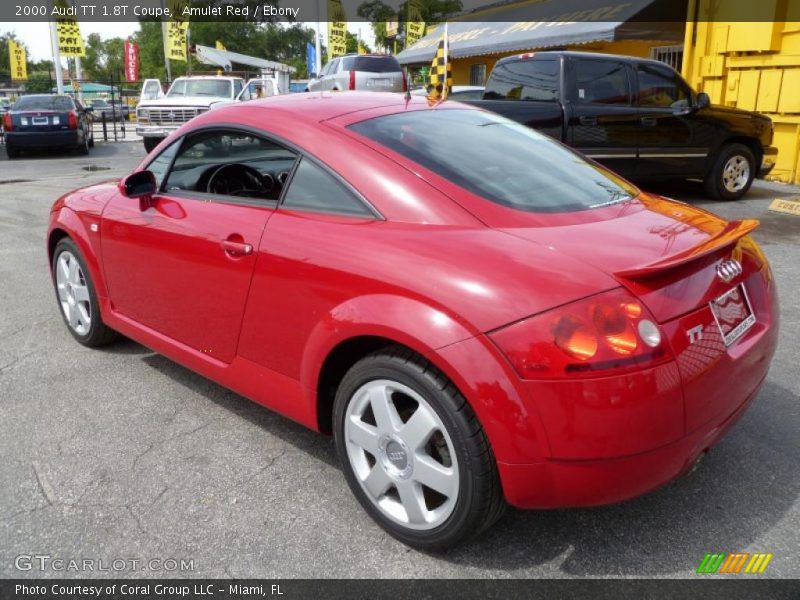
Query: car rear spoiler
[727, 236]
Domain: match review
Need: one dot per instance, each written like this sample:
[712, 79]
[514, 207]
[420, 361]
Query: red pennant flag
[131, 61]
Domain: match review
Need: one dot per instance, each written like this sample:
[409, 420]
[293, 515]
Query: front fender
[78, 228]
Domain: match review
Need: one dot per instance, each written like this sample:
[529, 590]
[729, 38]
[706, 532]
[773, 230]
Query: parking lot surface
[120, 453]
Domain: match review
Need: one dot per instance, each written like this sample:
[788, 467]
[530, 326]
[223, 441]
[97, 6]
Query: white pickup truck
[158, 115]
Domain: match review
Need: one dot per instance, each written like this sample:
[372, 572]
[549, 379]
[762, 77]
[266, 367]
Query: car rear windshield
[497, 159]
[371, 64]
[44, 103]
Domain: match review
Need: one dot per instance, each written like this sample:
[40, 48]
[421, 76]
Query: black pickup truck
[636, 116]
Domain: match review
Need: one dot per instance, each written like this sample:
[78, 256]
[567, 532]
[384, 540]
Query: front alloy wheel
[413, 451]
[77, 298]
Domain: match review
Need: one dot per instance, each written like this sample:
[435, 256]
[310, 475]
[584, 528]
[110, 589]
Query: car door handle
[587, 120]
[233, 248]
[649, 121]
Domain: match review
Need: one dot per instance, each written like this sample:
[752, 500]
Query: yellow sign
[220, 46]
[337, 29]
[70, 42]
[391, 28]
[415, 26]
[177, 27]
[789, 206]
[361, 48]
[19, 61]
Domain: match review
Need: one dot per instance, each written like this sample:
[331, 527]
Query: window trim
[300, 152]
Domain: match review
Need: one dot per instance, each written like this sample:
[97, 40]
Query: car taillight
[609, 332]
[7, 124]
[352, 80]
[72, 120]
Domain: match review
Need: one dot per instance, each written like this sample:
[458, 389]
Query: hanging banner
[19, 61]
[177, 28]
[70, 42]
[415, 26]
[131, 52]
[311, 58]
[337, 29]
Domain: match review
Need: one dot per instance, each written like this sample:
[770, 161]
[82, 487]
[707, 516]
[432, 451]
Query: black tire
[715, 183]
[150, 143]
[98, 334]
[12, 152]
[83, 149]
[480, 500]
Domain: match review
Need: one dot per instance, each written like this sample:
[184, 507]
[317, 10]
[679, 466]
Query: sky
[37, 35]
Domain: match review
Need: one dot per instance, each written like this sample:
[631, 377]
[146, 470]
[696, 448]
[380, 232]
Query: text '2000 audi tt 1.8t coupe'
[477, 314]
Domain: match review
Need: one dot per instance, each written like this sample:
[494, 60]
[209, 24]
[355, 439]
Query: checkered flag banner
[441, 75]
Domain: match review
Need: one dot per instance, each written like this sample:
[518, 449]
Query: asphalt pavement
[121, 454]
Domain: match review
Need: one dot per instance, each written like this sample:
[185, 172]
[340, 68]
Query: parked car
[477, 314]
[104, 109]
[121, 107]
[47, 121]
[254, 89]
[636, 116]
[157, 117]
[365, 72]
[457, 92]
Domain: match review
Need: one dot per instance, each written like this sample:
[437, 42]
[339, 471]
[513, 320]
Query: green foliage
[377, 13]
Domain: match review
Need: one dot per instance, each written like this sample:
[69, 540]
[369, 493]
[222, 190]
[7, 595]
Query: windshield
[99, 103]
[497, 159]
[44, 103]
[201, 87]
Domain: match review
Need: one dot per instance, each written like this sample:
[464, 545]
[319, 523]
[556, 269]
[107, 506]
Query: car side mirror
[141, 184]
[703, 101]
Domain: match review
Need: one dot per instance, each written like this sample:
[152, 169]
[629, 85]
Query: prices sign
[70, 42]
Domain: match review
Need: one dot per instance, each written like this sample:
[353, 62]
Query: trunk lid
[39, 120]
[665, 252]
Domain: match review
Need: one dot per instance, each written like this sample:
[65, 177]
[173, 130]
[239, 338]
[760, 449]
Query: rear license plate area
[39, 120]
[377, 82]
[733, 314]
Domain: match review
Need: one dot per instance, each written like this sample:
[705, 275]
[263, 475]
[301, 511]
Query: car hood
[182, 101]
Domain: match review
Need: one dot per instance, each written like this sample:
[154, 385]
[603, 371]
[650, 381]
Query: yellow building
[753, 65]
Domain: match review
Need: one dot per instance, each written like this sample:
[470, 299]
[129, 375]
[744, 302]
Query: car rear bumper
[161, 131]
[767, 161]
[580, 483]
[42, 139]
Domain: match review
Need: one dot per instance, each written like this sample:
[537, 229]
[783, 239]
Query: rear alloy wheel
[413, 451]
[77, 297]
[732, 174]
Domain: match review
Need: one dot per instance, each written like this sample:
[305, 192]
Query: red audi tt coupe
[476, 313]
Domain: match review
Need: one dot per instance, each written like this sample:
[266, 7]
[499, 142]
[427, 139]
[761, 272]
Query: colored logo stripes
[736, 562]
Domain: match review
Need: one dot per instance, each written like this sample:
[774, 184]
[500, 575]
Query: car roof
[579, 54]
[322, 106]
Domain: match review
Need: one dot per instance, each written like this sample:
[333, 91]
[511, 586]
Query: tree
[431, 11]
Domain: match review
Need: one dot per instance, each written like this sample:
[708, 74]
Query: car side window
[524, 80]
[600, 82]
[237, 87]
[312, 188]
[159, 165]
[229, 164]
[661, 88]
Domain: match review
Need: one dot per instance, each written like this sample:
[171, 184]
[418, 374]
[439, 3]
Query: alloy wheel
[736, 173]
[73, 293]
[401, 454]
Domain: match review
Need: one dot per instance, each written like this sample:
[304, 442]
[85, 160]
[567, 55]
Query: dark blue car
[47, 121]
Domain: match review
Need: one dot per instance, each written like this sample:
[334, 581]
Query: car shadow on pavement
[318, 446]
[740, 491]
